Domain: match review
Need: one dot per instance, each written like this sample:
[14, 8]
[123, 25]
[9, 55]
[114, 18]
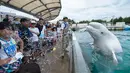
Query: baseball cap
[33, 21]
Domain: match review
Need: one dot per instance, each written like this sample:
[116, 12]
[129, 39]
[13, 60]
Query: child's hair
[49, 26]
[29, 68]
[54, 29]
[4, 25]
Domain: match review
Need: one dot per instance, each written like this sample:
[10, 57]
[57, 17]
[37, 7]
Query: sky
[94, 9]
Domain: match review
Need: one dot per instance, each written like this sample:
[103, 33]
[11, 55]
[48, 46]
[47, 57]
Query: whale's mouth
[92, 31]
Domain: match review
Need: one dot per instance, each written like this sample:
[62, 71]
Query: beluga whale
[105, 42]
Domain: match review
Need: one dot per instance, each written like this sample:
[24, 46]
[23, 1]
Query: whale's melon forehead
[96, 25]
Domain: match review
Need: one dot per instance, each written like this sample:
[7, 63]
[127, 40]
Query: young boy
[50, 36]
[35, 32]
[18, 40]
[8, 61]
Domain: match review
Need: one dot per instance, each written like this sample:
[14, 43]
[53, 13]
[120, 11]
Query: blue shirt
[7, 48]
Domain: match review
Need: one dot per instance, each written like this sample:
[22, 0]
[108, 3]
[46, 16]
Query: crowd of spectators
[25, 39]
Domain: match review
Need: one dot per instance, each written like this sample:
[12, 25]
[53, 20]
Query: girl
[8, 60]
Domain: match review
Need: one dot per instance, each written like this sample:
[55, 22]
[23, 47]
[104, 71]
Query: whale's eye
[101, 32]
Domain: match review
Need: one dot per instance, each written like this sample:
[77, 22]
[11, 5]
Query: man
[65, 25]
[25, 35]
[6, 19]
[64, 31]
[42, 28]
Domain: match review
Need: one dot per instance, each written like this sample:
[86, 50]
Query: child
[18, 40]
[50, 36]
[35, 32]
[54, 29]
[8, 61]
[59, 29]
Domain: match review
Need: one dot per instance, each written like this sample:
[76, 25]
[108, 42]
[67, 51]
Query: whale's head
[97, 30]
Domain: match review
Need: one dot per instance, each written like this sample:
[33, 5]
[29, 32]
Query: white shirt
[63, 25]
[43, 29]
[59, 30]
[35, 36]
[55, 33]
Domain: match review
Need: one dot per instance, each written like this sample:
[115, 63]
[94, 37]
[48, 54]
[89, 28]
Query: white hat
[33, 21]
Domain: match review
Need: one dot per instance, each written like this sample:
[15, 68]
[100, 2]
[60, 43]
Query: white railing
[80, 66]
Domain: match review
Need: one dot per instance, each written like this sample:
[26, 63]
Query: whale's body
[105, 41]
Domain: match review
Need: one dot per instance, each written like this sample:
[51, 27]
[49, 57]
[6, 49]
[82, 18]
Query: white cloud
[94, 9]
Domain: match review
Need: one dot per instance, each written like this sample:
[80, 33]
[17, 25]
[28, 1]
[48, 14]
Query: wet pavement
[53, 63]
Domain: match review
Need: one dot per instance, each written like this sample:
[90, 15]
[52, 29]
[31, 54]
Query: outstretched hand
[5, 61]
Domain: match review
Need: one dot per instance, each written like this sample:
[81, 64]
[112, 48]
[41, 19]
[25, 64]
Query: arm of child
[4, 61]
[21, 45]
[21, 42]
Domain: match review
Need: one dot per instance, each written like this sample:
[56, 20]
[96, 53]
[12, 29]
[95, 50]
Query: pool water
[102, 65]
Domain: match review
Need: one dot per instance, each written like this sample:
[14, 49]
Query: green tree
[99, 20]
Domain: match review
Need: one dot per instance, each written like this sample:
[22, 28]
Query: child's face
[6, 32]
[26, 23]
[49, 28]
[33, 25]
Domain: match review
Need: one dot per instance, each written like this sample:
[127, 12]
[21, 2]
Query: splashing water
[100, 64]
